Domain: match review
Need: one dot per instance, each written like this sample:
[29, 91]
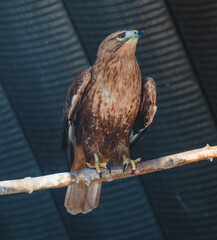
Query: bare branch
[28, 184]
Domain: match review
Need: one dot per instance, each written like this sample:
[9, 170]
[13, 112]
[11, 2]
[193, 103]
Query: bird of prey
[108, 106]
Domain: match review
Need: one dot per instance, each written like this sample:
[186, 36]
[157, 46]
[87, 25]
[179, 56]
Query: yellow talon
[137, 160]
[89, 165]
[97, 165]
[127, 161]
[103, 165]
[133, 165]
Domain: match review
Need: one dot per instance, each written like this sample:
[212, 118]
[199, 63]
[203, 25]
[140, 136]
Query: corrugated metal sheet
[43, 45]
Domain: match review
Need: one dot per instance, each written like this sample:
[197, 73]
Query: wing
[146, 112]
[73, 101]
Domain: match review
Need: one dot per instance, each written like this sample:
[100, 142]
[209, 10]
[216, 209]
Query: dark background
[43, 45]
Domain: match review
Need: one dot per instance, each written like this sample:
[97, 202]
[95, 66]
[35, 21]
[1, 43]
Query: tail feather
[81, 198]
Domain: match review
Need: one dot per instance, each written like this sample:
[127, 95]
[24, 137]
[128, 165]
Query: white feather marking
[106, 91]
[134, 136]
[108, 95]
[155, 109]
[71, 133]
[73, 99]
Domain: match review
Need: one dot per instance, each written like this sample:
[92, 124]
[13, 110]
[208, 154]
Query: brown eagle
[108, 107]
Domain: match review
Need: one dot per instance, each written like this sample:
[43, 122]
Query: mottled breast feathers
[73, 102]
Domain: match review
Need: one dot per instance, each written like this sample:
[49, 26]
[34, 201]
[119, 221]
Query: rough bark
[29, 185]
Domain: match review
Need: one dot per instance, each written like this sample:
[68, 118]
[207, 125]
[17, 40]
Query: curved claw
[125, 164]
[97, 165]
[133, 165]
[109, 167]
[124, 167]
[88, 165]
[128, 161]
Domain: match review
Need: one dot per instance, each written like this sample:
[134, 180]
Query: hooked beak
[138, 33]
[133, 34]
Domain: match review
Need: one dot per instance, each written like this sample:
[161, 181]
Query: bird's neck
[116, 69]
[118, 80]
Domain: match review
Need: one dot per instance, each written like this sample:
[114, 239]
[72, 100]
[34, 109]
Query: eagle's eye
[122, 35]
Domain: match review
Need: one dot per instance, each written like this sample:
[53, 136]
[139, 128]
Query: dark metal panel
[196, 22]
[40, 52]
[23, 216]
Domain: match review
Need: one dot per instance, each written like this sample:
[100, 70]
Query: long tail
[81, 198]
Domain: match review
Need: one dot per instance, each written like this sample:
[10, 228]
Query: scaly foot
[97, 165]
[127, 161]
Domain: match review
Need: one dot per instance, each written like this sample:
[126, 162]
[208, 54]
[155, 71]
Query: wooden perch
[28, 184]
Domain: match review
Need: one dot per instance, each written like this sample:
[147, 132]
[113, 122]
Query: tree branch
[28, 184]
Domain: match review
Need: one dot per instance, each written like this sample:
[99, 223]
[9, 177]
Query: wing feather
[73, 101]
[146, 112]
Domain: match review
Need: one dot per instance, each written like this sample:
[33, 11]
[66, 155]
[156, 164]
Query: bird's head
[122, 43]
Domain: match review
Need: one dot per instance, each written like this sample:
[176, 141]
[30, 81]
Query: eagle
[107, 109]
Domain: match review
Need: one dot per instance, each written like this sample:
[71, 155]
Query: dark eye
[122, 35]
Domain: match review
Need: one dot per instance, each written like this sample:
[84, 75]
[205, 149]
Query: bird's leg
[127, 161]
[97, 165]
[109, 165]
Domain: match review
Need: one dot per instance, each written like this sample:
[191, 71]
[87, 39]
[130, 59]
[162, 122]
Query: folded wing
[146, 112]
[73, 100]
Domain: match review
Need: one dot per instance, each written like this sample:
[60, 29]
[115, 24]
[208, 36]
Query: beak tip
[140, 33]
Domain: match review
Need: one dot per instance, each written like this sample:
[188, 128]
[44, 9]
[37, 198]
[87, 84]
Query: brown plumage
[107, 108]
